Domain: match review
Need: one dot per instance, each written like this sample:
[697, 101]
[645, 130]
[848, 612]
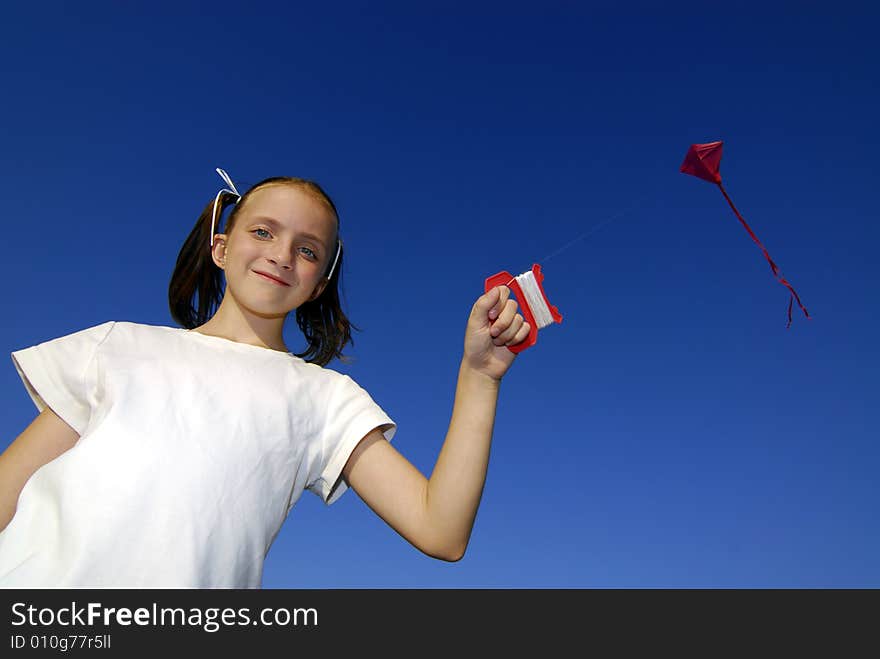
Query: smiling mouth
[270, 278]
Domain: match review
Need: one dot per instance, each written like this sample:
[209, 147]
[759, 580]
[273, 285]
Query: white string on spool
[534, 299]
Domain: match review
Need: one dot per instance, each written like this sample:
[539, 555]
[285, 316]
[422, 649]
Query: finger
[508, 334]
[504, 319]
[487, 300]
[496, 308]
[521, 335]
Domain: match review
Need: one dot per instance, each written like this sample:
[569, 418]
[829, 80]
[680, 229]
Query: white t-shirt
[192, 451]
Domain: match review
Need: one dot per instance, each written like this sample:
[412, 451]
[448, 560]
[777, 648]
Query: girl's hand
[493, 325]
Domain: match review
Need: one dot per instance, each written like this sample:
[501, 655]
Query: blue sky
[670, 432]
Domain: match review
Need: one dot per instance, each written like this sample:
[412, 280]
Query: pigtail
[196, 274]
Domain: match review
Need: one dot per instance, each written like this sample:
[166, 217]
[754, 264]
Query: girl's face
[280, 247]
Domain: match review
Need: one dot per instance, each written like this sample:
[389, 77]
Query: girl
[170, 457]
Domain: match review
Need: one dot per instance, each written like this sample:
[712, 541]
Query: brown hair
[323, 323]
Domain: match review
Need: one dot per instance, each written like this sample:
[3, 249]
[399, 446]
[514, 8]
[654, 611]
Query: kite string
[529, 286]
[587, 233]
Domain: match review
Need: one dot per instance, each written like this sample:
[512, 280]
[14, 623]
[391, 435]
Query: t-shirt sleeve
[59, 374]
[351, 414]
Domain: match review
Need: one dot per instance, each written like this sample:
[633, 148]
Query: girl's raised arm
[436, 515]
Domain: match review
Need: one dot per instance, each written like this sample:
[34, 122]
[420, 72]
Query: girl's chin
[263, 309]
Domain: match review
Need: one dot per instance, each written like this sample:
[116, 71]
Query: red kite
[703, 161]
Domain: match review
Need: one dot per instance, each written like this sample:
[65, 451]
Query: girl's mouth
[270, 278]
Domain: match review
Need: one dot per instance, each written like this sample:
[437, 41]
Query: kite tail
[782, 280]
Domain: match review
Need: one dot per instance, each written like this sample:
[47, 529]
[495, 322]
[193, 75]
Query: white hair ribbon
[234, 191]
[338, 250]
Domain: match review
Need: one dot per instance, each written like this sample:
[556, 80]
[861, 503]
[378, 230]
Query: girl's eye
[307, 250]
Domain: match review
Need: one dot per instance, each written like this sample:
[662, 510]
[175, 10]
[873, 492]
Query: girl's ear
[218, 251]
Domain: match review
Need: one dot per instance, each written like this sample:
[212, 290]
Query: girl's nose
[282, 260]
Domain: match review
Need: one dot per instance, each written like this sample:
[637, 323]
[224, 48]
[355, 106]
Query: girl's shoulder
[143, 333]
